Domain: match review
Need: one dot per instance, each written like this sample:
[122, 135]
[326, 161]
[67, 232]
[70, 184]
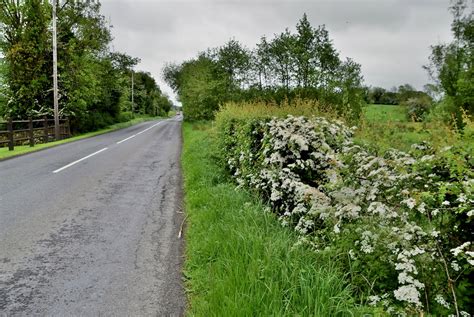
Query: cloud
[390, 38]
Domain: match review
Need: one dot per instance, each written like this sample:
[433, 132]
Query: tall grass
[257, 109]
[384, 113]
[381, 126]
[239, 260]
[385, 127]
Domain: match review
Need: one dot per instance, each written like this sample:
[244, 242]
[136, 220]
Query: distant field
[381, 113]
[386, 126]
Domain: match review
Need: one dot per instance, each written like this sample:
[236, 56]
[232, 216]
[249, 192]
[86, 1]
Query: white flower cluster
[330, 189]
[409, 291]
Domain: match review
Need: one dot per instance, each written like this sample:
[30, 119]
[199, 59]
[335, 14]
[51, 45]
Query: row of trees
[394, 96]
[94, 83]
[302, 64]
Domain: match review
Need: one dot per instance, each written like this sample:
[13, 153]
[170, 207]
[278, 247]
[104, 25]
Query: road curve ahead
[91, 227]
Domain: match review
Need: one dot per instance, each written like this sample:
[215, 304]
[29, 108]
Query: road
[91, 227]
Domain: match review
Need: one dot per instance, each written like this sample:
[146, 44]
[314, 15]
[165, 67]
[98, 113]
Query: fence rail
[16, 132]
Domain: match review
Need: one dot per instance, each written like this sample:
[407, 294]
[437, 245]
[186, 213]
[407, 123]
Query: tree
[451, 65]
[326, 58]
[261, 63]
[94, 84]
[350, 89]
[3, 88]
[26, 47]
[290, 65]
[304, 53]
[171, 75]
[234, 59]
[281, 58]
[201, 86]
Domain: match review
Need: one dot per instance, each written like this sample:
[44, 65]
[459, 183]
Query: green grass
[239, 260]
[385, 113]
[386, 126]
[23, 149]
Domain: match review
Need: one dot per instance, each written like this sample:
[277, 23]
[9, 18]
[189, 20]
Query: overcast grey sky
[389, 38]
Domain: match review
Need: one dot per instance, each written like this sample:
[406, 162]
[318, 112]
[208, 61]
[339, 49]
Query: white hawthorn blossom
[325, 186]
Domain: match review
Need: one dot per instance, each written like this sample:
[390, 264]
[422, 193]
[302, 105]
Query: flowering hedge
[400, 223]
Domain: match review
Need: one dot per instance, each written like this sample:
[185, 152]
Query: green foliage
[417, 108]
[384, 113]
[25, 44]
[148, 98]
[201, 85]
[303, 65]
[380, 96]
[3, 88]
[240, 261]
[94, 84]
[451, 66]
[387, 126]
[400, 223]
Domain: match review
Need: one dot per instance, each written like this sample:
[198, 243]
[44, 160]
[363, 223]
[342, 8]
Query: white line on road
[80, 160]
[131, 137]
[119, 142]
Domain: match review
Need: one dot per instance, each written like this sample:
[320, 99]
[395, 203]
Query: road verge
[239, 260]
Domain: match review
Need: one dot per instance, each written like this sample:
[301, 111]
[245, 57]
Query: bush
[401, 224]
[92, 121]
[125, 116]
[417, 108]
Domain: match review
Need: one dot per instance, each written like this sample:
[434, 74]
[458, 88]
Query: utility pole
[132, 89]
[55, 75]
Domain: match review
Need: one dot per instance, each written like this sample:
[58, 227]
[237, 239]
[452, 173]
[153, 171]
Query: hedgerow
[401, 224]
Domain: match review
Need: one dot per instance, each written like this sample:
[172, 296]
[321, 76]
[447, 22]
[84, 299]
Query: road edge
[72, 141]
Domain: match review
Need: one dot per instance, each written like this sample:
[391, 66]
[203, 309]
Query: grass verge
[23, 149]
[239, 260]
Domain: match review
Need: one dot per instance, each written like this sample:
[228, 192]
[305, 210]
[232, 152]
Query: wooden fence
[21, 132]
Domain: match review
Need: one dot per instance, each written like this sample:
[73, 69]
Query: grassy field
[240, 261]
[386, 126]
[384, 113]
[19, 150]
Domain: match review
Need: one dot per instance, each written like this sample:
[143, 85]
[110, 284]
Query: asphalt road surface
[91, 227]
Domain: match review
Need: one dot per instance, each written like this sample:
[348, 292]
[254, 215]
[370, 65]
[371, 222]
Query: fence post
[45, 130]
[31, 134]
[11, 145]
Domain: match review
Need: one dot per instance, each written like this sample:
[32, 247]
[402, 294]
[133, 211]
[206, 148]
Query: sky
[390, 38]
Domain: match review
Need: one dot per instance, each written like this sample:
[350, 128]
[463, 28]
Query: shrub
[417, 108]
[125, 116]
[401, 223]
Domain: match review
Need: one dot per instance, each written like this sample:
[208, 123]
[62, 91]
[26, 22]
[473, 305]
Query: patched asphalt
[99, 237]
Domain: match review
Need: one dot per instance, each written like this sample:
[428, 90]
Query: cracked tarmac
[99, 238]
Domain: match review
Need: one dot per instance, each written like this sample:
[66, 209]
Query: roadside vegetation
[240, 260]
[388, 126]
[95, 84]
[398, 222]
[375, 183]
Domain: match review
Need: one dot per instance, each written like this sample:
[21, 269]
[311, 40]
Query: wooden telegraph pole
[55, 74]
[133, 83]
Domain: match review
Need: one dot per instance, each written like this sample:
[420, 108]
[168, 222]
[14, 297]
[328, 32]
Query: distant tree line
[94, 82]
[394, 96]
[304, 64]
